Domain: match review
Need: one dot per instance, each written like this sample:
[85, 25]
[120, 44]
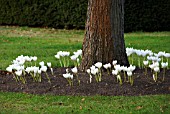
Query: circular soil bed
[143, 84]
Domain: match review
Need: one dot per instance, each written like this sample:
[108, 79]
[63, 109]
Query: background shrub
[140, 15]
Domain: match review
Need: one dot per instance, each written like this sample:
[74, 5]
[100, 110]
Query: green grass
[156, 41]
[45, 43]
[25, 103]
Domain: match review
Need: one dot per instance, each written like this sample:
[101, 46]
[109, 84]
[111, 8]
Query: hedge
[147, 15]
[140, 15]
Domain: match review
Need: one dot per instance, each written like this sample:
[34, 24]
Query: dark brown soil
[143, 85]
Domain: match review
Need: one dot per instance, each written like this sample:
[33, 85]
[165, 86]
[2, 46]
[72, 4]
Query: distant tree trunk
[104, 36]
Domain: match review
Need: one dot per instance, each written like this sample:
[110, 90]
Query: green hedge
[140, 15]
[50, 13]
[147, 15]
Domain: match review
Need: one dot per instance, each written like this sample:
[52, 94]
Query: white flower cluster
[95, 70]
[151, 56]
[70, 76]
[64, 57]
[19, 70]
[150, 59]
[128, 70]
[76, 57]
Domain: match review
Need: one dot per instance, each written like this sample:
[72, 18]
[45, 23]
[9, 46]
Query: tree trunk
[104, 36]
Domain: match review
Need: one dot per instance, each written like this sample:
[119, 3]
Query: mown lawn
[45, 43]
[26, 103]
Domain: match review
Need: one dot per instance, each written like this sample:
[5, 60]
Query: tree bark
[104, 36]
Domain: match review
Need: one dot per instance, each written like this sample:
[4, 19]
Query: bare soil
[143, 84]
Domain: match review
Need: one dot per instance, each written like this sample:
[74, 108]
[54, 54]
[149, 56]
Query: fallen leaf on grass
[81, 107]
[83, 99]
[139, 107]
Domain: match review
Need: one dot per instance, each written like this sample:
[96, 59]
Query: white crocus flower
[39, 76]
[39, 71]
[79, 52]
[131, 68]
[27, 58]
[115, 72]
[98, 65]
[74, 70]
[130, 78]
[67, 71]
[98, 70]
[152, 66]
[167, 55]
[164, 65]
[129, 73]
[18, 73]
[36, 69]
[94, 72]
[124, 68]
[114, 62]
[64, 53]
[28, 70]
[107, 67]
[63, 58]
[117, 67]
[17, 67]
[21, 62]
[57, 56]
[9, 69]
[88, 71]
[66, 75]
[34, 58]
[160, 54]
[92, 67]
[129, 51]
[156, 69]
[145, 63]
[156, 64]
[43, 68]
[69, 78]
[74, 57]
[49, 64]
[41, 63]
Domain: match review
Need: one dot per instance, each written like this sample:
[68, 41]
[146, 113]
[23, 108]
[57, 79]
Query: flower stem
[124, 76]
[131, 80]
[48, 77]
[139, 62]
[163, 74]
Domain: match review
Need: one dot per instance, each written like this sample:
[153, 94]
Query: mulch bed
[143, 85]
